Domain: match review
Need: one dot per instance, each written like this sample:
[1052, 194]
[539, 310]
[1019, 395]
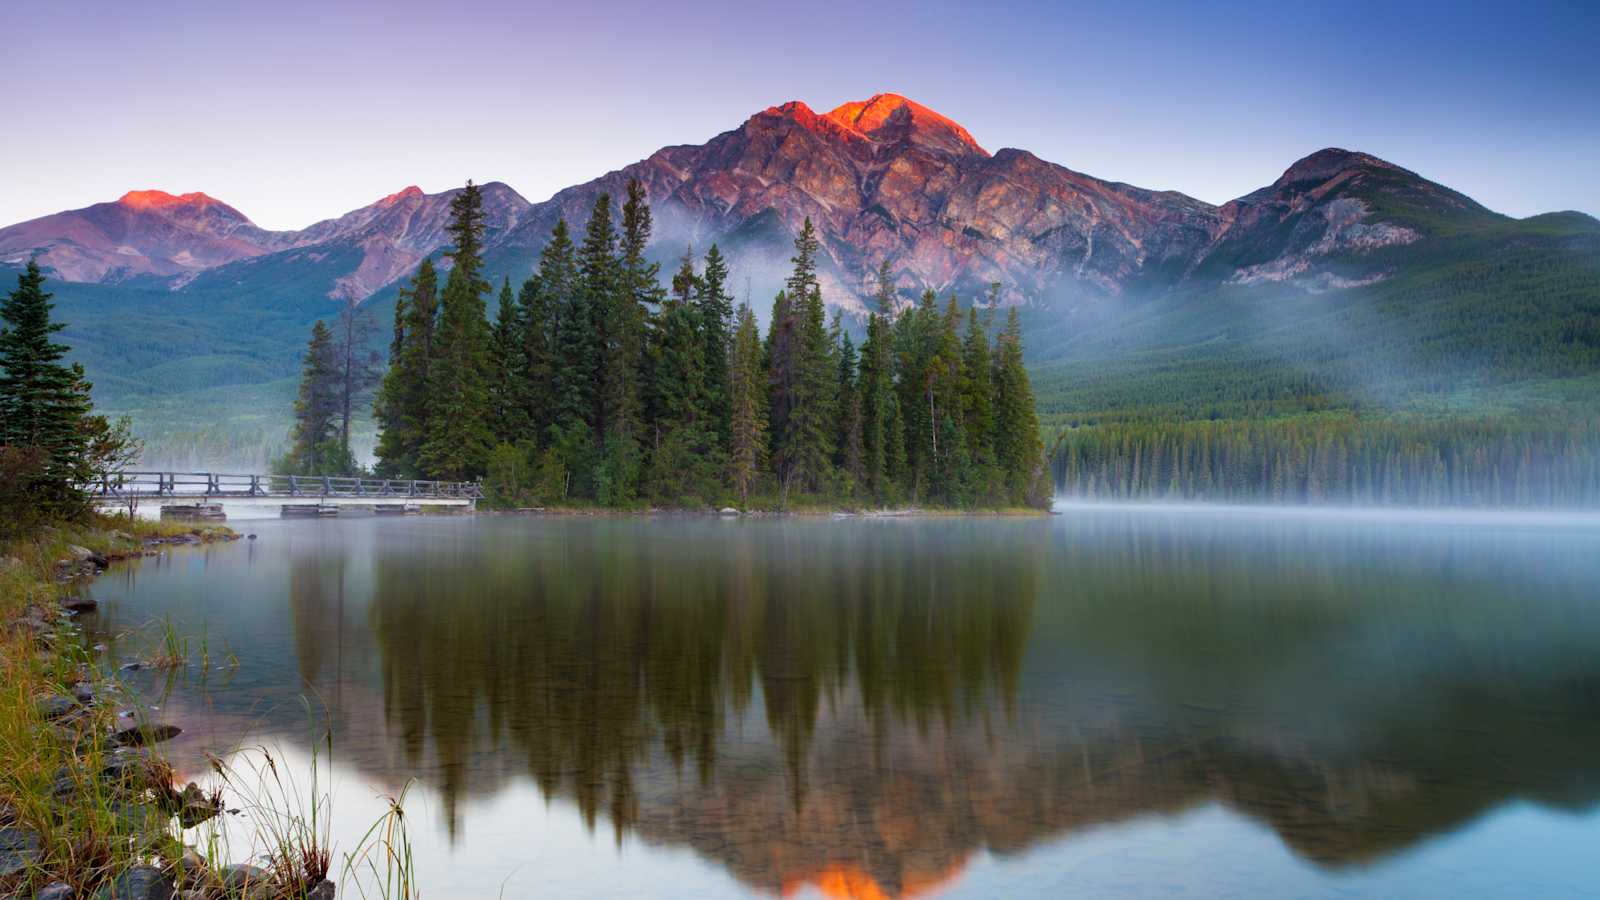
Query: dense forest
[596, 383]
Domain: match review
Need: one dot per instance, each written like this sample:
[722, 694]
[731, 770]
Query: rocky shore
[87, 808]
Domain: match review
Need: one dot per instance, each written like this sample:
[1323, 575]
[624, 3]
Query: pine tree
[44, 405]
[535, 351]
[876, 390]
[315, 448]
[747, 398]
[683, 458]
[506, 374]
[597, 288]
[459, 433]
[358, 368]
[401, 406]
[715, 308]
[809, 444]
[849, 452]
[977, 405]
[638, 291]
[1018, 448]
[574, 342]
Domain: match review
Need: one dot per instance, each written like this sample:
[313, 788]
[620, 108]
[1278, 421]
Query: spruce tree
[44, 404]
[535, 388]
[358, 366]
[401, 406]
[506, 373]
[314, 445]
[747, 397]
[849, 452]
[875, 390]
[459, 434]
[1018, 448]
[715, 308]
[638, 291]
[977, 405]
[598, 283]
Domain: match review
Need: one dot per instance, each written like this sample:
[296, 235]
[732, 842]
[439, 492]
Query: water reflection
[863, 707]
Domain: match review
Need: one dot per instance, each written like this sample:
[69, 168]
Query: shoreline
[88, 805]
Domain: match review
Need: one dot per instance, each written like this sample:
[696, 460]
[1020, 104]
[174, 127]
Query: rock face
[889, 179]
[883, 179]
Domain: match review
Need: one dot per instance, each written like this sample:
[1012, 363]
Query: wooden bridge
[160, 487]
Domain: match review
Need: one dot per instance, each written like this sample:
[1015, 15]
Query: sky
[298, 111]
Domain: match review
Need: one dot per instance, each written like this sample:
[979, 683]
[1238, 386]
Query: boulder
[245, 880]
[54, 706]
[20, 849]
[79, 603]
[323, 891]
[142, 735]
[139, 883]
[58, 890]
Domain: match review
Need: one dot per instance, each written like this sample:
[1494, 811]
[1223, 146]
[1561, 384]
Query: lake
[1105, 703]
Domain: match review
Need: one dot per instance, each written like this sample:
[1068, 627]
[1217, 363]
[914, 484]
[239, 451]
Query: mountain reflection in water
[861, 707]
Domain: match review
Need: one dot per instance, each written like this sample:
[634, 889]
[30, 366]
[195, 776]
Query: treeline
[53, 447]
[597, 383]
[1337, 458]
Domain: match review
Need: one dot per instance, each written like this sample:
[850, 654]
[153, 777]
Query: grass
[53, 774]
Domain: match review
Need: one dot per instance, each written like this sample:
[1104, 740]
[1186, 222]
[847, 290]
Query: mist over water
[1114, 701]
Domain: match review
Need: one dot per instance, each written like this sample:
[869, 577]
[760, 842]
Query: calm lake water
[1111, 702]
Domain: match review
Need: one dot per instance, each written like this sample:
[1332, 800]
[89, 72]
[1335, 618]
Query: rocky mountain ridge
[883, 179]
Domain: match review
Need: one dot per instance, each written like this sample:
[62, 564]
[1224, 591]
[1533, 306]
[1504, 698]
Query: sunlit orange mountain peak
[152, 199]
[844, 881]
[871, 116]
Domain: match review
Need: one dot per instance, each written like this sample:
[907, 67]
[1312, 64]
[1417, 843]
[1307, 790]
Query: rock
[323, 891]
[141, 735]
[139, 883]
[251, 536]
[728, 511]
[80, 554]
[79, 604]
[190, 870]
[195, 807]
[245, 880]
[20, 849]
[7, 814]
[83, 692]
[54, 706]
[120, 536]
[58, 890]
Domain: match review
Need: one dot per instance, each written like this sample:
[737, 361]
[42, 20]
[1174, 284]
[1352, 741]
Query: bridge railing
[132, 485]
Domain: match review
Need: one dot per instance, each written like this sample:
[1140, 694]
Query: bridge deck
[161, 486]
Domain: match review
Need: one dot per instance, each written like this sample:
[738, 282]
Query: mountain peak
[884, 118]
[152, 199]
[1330, 161]
[402, 194]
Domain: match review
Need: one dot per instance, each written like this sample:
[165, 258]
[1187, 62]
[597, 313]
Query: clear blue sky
[295, 111]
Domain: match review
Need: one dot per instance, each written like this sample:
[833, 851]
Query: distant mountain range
[883, 179]
[1345, 270]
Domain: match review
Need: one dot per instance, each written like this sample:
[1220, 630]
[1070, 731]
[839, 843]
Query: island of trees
[595, 383]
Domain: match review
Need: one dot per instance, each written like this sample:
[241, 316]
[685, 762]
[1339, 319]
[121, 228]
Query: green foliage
[596, 385]
[315, 444]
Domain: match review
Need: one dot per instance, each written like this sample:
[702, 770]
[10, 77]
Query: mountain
[883, 179]
[1346, 280]
[156, 239]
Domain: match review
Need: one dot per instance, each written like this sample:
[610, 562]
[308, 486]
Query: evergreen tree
[638, 291]
[599, 282]
[44, 404]
[747, 405]
[358, 368]
[315, 448]
[574, 341]
[401, 406]
[849, 452]
[1018, 448]
[715, 308]
[875, 390]
[459, 435]
[977, 405]
[809, 444]
[506, 373]
[535, 388]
